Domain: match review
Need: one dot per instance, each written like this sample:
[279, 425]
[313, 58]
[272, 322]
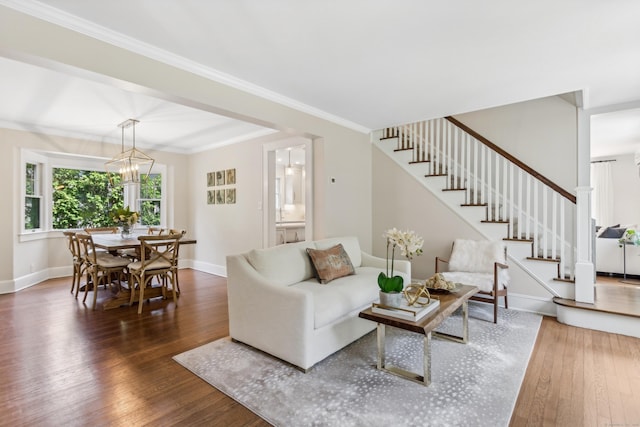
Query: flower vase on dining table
[125, 231]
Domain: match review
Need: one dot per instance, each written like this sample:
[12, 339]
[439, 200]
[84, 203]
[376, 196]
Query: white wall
[227, 229]
[400, 201]
[542, 133]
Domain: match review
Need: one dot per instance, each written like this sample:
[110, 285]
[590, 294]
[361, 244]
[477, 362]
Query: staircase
[498, 195]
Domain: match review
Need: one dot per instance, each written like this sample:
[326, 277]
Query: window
[70, 192]
[150, 201]
[33, 196]
[83, 198]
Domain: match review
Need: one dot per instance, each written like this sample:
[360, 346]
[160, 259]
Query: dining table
[113, 243]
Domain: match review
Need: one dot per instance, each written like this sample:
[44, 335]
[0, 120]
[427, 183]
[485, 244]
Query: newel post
[585, 270]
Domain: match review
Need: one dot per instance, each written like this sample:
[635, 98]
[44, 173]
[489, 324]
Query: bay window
[73, 192]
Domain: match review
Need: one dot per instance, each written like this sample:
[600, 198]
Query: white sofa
[278, 306]
[610, 257]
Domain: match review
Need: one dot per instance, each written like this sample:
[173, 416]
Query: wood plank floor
[64, 364]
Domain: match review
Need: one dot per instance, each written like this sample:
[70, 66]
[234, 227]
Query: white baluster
[545, 227]
[535, 225]
[455, 157]
[554, 224]
[562, 265]
[528, 207]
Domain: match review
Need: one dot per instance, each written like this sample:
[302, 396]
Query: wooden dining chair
[101, 230]
[155, 231]
[101, 267]
[182, 233]
[77, 260]
[158, 258]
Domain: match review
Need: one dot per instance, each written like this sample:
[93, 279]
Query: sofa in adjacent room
[277, 305]
[610, 255]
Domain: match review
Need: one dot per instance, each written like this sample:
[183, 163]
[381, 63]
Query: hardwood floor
[64, 364]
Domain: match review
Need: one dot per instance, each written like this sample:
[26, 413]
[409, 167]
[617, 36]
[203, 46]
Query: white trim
[91, 29]
[218, 270]
[533, 304]
[28, 280]
[599, 321]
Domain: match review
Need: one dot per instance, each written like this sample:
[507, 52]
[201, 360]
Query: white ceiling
[370, 63]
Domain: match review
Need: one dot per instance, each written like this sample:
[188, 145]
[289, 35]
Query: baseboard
[28, 280]
[218, 270]
[532, 304]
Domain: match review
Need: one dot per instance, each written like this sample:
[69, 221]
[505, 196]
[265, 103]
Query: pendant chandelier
[289, 169]
[130, 163]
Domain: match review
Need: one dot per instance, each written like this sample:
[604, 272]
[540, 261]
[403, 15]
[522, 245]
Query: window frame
[40, 161]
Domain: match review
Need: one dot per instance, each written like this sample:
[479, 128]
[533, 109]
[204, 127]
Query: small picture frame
[219, 197]
[231, 176]
[231, 196]
[211, 179]
[211, 197]
[220, 178]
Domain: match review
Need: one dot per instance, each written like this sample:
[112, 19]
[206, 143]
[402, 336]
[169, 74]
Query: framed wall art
[220, 178]
[219, 197]
[231, 176]
[231, 196]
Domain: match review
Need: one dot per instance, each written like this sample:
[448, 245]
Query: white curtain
[602, 197]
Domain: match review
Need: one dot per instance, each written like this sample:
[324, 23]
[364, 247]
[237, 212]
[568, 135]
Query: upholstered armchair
[481, 263]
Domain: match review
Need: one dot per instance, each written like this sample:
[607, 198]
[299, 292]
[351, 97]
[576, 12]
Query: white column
[585, 273]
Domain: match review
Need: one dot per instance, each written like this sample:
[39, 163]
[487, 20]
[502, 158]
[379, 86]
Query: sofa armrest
[267, 316]
[399, 265]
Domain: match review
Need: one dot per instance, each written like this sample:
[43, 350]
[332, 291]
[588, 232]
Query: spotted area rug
[474, 384]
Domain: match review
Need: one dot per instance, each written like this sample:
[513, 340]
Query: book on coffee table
[405, 311]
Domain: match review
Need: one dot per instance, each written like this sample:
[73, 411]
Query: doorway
[287, 191]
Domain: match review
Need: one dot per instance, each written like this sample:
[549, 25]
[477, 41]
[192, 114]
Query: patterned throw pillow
[331, 263]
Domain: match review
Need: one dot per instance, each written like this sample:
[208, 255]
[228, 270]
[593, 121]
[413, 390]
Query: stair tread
[454, 189]
[515, 239]
[566, 280]
[419, 161]
[536, 258]
[483, 205]
[403, 149]
[494, 221]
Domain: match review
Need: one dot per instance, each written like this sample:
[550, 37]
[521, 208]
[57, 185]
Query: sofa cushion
[284, 264]
[350, 244]
[612, 232]
[342, 297]
[331, 263]
[476, 256]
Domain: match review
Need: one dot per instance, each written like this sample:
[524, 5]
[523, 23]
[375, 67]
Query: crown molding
[58, 17]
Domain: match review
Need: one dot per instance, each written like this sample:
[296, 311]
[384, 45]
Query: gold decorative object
[414, 292]
[437, 281]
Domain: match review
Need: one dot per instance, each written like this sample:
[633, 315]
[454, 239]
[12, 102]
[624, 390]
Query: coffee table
[449, 303]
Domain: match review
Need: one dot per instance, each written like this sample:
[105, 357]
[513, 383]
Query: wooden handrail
[564, 193]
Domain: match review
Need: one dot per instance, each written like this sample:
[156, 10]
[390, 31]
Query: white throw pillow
[476, 256]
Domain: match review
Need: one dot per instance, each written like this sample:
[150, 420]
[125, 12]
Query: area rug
[472, 385]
